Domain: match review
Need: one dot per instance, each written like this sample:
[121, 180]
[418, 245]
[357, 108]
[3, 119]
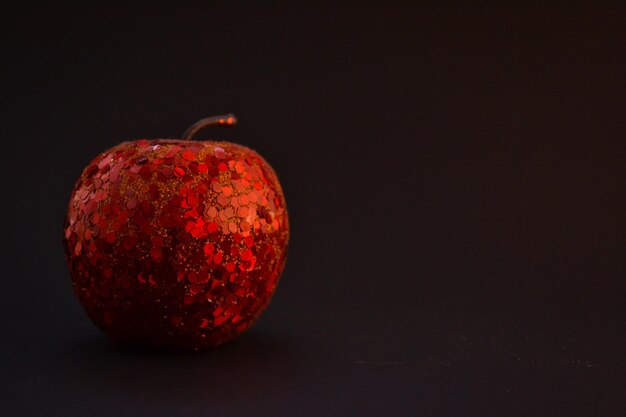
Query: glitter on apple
[176, 243]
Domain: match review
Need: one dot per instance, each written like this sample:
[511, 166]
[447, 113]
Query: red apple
[176, 243]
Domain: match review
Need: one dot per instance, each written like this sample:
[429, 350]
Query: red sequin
[188, 155]
[176, 244]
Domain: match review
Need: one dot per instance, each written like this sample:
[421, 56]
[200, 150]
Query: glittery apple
[176, 243]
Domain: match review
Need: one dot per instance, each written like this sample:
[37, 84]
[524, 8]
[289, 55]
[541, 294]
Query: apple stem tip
[225, 120]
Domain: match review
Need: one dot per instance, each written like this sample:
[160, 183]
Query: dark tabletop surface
[455, 179]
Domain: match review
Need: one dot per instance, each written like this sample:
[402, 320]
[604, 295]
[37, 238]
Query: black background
[455, 179]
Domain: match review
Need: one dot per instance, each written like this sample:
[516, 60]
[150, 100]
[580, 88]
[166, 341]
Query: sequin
[217, 258]
[219, 152]
[208, 248]
[223, 200]
[212, 227]
[212, 212]
[156, 255]
[246, 255]
[189, 156]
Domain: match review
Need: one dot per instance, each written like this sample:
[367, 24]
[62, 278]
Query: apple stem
[226, 120]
